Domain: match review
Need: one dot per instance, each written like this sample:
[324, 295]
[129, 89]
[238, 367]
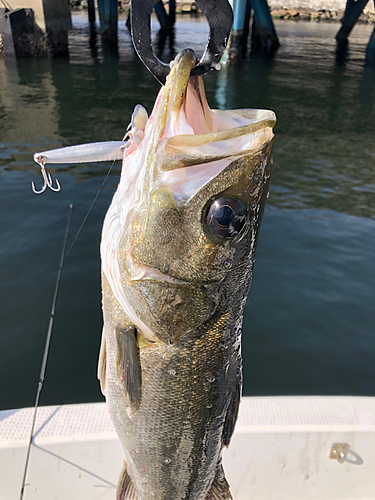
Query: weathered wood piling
[166, 20]
[108, 17]
[353, 9]
[263, 32]
[91, 11]
[35, 28]
[237, 45]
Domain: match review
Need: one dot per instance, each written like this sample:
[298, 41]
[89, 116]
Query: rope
[46, 349]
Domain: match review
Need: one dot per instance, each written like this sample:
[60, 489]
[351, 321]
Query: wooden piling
[108, 15]
[352, 12]
[162, 16]
[264, 38]
[239, 11]
[91, 11]
[166, 21]
[172, 12]
[38, 29]
[237, 46]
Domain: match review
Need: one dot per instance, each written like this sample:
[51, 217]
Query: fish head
[188, 209]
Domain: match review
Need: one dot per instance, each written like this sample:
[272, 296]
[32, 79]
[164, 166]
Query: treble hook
[47, 178]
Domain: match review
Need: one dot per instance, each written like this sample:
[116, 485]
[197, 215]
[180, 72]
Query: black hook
[219, 15]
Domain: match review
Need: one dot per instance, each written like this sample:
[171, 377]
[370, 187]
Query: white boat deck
[280, 450]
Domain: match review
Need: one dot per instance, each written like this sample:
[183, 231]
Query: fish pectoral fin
[232, 414]
[102, 365]
[128, 365]
[220, 488]
[125, 488]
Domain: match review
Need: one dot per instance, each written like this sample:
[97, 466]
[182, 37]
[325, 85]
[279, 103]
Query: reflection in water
[314, 282]
[93, 41]
[28, 100]
[366, 92]
[342, 53]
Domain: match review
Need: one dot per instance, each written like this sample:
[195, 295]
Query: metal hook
[219, 15]
[46, 177]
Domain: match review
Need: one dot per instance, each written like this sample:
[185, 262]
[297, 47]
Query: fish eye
[226, 217]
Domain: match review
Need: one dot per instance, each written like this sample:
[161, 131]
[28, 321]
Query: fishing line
[6, 5]
[46, 349]
[89, 210]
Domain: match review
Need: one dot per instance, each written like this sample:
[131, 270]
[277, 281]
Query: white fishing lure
[93, 152]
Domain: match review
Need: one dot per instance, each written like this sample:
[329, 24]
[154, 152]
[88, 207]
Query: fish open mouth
[196, 143]
[184, 143]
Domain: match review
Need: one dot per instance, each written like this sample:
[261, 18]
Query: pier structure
[35, 27]
[108, 15]
[91, 11]
[40, 27]
[166, 20]
[353, 10]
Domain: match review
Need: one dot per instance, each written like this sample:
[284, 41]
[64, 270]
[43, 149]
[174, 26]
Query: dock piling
[108, 15]
[91, 11]
[172, 12]
[237, 46]
[263, 36]
[166, 21]
[162, 16]
[239, 11]
[353, 10]
[18, 32]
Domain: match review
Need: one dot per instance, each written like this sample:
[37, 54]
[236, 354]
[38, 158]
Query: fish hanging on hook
[177, 250]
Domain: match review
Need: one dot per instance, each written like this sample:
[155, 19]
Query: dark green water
[309, 323]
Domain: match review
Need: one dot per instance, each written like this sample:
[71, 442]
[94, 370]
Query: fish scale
[178, 417]
[175, 283]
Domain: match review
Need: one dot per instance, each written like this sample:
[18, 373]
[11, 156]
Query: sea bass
[177, 251]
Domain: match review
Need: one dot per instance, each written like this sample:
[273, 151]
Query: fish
[177, 250]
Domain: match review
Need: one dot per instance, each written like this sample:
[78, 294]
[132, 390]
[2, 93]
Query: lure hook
[48, 182]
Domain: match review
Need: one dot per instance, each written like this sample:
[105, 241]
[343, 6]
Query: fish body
[177, 252]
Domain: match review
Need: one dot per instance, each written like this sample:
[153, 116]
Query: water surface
[309, 323]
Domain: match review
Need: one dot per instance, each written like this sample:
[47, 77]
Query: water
[309, 324]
